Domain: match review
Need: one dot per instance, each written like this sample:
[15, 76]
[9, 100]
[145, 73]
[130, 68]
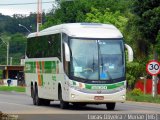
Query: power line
[24, 3]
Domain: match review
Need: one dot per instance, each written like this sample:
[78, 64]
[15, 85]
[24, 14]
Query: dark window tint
[44, 46]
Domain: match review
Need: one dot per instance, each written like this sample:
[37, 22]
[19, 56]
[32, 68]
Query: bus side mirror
[130, 53]
[67, 52]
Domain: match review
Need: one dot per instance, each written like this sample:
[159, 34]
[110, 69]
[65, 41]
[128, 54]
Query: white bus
[76, 63]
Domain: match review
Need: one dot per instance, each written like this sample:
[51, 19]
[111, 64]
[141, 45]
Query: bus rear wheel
[36, 100]
[111, 106]
[33, 97]
[46, 102]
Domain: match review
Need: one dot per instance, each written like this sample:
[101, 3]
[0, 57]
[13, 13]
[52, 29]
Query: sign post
[153, 68]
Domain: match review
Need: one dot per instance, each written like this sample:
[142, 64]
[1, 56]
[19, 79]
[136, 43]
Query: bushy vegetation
[136, 92]
[138, 96]
[4, 116]
[134, 71]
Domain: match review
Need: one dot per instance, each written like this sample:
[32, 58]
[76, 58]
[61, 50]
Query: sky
[22, 9]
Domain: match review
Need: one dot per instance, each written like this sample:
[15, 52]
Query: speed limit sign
[153, 67]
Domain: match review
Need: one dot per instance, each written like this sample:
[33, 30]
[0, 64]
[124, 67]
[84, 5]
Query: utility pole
[7, 52]
[39, 14]
[154, 86]
[144, 78]
[154, 78]
[11, 60]
[152, 68]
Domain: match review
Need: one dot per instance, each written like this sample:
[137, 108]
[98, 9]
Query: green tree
[77, 10]
[146, 24]
[11, 24]
[107, 16]
[17, 46]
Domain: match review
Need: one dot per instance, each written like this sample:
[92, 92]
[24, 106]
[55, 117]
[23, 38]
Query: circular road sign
[153, 67]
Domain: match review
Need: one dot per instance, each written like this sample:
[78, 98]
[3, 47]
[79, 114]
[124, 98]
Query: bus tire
[33, 97]
[111, 106]
[77, 104]
[63, 104]
[38, 101]
[32, 90]
[46, 102]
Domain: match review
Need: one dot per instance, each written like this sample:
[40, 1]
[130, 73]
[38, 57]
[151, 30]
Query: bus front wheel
[111, 106]
[77, 104]
[63, 104]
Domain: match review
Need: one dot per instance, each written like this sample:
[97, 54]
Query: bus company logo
[99, 91]
[99, 87]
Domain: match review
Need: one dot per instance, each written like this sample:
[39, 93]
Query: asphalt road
[21, 104]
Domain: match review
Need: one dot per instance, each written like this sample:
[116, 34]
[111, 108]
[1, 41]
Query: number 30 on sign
[153, 67]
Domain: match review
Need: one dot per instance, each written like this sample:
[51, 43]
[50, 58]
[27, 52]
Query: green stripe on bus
[42, 79]
[49, 67]
[110, 86]
[30, 67]
[115, 85]
[40, 66]
[54, 67]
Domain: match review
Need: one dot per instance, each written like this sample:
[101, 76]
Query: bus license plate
[98, 97]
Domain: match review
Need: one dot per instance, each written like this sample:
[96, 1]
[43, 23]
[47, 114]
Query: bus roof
[82, 30]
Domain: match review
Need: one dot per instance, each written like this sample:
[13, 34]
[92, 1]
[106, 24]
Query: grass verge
[143, 98]
[12, 88]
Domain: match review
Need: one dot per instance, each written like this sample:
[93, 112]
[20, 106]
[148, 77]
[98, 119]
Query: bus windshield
[97, 59]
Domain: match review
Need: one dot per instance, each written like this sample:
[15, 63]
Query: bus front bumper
[77, 96]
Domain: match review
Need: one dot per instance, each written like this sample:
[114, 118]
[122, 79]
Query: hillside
[11, 32]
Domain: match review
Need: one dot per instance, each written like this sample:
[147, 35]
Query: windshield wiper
[93, 63]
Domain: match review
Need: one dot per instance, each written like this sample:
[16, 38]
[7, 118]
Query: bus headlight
[73, 95]
[123, 97]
